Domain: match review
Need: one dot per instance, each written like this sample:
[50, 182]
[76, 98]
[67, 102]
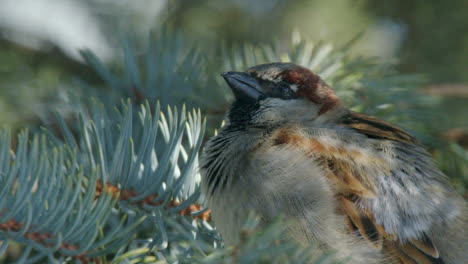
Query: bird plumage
[349, 182]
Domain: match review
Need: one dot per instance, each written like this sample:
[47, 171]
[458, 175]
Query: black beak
[243, 85]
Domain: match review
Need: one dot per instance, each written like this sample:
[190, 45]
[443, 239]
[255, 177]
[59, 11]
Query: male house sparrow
[347, 181]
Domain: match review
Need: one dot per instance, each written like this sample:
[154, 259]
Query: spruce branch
[58, 196]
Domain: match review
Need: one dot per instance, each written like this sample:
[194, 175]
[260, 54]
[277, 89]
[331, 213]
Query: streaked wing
[353, 185]
[361, 220]
[375, 128]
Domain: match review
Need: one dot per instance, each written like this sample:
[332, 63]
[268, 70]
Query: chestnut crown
[286, 81]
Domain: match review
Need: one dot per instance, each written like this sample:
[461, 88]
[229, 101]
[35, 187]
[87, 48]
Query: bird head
[278, 93]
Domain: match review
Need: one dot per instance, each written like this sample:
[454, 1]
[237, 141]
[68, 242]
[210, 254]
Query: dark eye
[285, 91]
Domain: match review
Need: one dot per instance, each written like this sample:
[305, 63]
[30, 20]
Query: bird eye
[285, 91]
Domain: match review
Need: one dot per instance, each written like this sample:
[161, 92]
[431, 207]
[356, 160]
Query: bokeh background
[40, 43]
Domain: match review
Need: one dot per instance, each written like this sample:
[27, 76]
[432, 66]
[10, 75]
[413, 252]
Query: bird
[346, 182]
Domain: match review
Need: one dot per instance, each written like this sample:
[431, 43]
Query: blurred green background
[40, 42]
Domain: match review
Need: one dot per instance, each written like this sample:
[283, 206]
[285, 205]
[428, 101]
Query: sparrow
[346, 182]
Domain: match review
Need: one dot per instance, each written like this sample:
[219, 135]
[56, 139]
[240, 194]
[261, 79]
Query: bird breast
[269, 180]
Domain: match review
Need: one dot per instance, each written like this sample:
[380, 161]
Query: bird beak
[243, 85]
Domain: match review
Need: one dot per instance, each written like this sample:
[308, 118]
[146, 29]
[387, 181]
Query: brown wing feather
[393, 250]
[418, 251]
[426, 246]
[375, 128]
[351, 186]
[362, 221]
